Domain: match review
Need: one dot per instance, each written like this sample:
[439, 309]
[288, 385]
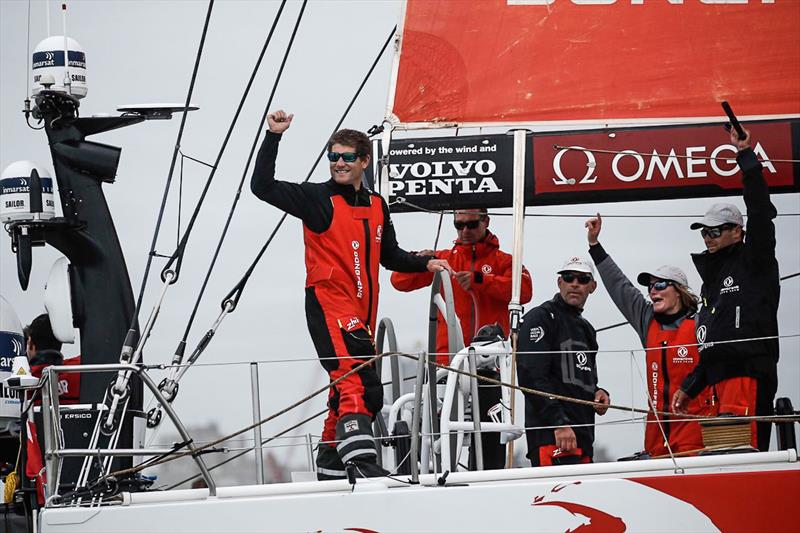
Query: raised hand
[593, 227]
[279, 121]
[740, 144]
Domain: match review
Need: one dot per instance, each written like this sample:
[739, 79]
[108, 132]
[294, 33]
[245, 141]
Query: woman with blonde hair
[666, 326]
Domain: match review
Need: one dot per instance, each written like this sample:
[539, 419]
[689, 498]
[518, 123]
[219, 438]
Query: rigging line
[180, 201]
[28, 50]
[172, 166]
[190, 158]
[237, 290]
[177, 256]
[535, 392]
[315, 358]
[324, 388]
[659, 420]
[421, 209]
[438, 231]
[265, 441]
[250, 156]
[631, 152]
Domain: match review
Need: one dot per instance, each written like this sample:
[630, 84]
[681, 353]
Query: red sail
[533, 61]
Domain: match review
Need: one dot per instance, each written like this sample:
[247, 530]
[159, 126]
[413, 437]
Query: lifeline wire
[185, 113]
[402, 200]
[263, 421]
[237, 290]
[263, 442]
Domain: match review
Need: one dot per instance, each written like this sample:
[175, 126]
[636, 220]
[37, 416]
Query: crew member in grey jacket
[665, 325]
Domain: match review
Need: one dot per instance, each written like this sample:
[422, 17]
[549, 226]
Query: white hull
[636, 496]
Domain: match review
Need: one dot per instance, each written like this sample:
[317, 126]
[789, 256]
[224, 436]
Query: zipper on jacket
[738, 315]
[665, 399]
[368, 269]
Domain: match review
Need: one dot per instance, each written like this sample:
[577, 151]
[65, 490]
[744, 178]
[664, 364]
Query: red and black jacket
[487, 301]
[347, 232]
[69, 385]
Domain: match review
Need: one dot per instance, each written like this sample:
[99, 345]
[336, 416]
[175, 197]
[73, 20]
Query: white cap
[719, 214]
[666, 272]
[578, 264]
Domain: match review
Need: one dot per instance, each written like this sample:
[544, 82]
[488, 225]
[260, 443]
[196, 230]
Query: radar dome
[48, 58]
[15, 193]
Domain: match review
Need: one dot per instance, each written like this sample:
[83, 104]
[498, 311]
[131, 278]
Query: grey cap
[667, 272]
[577, 264]
[719, 214]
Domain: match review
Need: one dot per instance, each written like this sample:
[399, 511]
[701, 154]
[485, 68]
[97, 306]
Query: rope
[172, 167]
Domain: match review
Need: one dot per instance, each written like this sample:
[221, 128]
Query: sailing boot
[329, 465]
[356, 445]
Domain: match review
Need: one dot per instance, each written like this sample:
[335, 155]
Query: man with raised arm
[348, 233]
[740, 293]
[481, 293]
[558, 354]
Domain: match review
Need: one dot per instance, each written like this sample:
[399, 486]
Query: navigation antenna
[67, 81]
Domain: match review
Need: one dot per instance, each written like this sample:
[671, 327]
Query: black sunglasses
[569, 277]
[715, 232]
[469, 224]
[659, 285]
[349, 157]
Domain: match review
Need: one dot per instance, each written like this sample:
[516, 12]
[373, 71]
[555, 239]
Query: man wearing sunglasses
[348, 233]
[557, 354]
[481, 293]
[740, 296]
[482, 275]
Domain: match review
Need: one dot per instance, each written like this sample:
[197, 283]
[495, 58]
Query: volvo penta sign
[444, 173]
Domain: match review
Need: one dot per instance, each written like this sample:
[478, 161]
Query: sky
[143, 52]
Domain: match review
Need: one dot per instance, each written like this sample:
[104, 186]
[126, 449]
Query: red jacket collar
[489, 242]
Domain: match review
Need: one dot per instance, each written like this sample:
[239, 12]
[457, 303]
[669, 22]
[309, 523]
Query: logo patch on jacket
[683, 356]
[379, 233]
[351, 324]
[582, 359]
[356, 245]
[701, 334]
[486, 269]
[537, 333]
[728, 286]
[351, 426]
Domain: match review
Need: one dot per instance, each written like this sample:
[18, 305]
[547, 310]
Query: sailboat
[433, 87]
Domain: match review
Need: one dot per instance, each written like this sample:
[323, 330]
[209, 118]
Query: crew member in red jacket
[348, 233]
[44, 349]
[483, 279]
[481, 292]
